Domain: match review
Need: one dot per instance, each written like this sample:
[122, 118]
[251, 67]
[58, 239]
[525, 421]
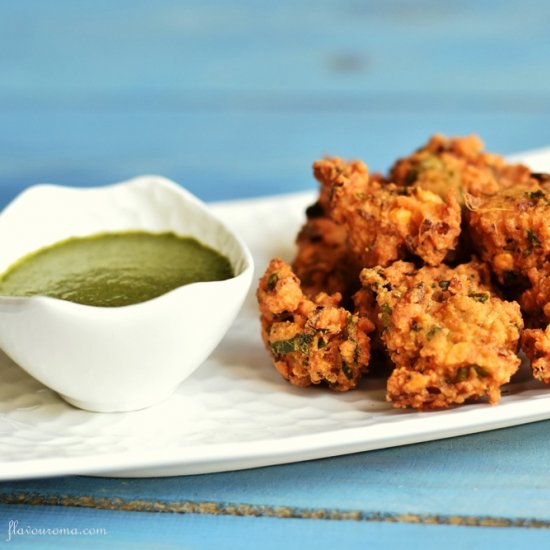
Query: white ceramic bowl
[117, 358]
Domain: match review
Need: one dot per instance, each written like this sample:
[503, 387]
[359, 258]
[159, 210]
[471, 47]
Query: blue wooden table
[236, 100]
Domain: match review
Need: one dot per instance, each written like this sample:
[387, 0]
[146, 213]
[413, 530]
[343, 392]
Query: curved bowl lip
[169, 185]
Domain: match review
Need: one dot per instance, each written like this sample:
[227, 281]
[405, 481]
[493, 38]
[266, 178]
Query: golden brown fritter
[312, 341]
[334, 170]
[324, 262]
[459, 165]
[450, 337]
[447, 331]
[397, 220]
[536, 345]
[535, 301]
[385, 223]
[511, 230]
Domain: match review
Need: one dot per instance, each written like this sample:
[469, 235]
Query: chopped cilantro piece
[300, 342]
[534, 195]
[348, 372]
[385, 313]
[462, 374]
[479, 296]
[532, 238]
[272, 282]
[480, 371]
[434, 329]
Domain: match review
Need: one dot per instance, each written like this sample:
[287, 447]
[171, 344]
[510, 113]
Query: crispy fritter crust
[312, 341]
[535, 301]
[459, 165]
[385, 222]
[344, 234]
[450, 337]
[447, 331]
[324, 261]
[536, 345]
[511, 230]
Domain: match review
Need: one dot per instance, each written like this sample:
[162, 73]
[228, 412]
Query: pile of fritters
[428, 265]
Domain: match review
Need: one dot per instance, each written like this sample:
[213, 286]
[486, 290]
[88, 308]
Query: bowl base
[115, 407]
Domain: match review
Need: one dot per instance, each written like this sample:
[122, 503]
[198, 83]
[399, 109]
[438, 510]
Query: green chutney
[114, 269]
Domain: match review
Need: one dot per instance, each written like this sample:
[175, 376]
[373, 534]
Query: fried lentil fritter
[312, 341]
[384, 222]
[324, 261]
[511, 230]
[535, 301]
[369, 221]
[459, 165]
[536, 345]
[449, 335]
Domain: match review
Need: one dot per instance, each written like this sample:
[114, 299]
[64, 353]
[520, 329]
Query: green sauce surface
[114, 269]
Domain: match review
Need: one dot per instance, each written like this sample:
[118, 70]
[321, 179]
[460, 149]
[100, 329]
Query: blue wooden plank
[237, 99]
[326, 45]
[127, 530]
[476, 478]
[223, 155]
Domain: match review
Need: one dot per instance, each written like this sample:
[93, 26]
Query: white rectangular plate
[235, 412]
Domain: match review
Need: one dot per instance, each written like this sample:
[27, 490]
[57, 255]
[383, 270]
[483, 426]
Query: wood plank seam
[254, 510]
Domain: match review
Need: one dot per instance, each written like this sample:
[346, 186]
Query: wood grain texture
[130, 530]
[144, 48]
[237, 99]
[228, 155]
